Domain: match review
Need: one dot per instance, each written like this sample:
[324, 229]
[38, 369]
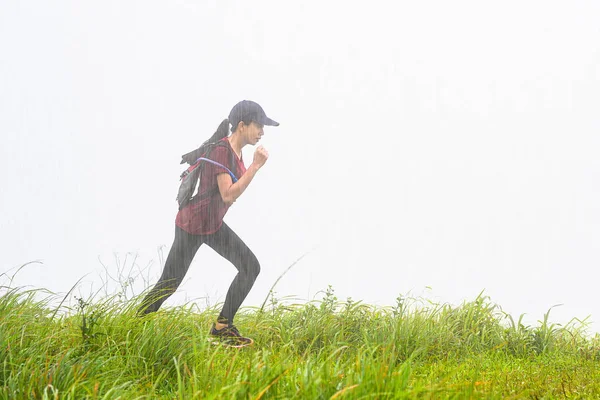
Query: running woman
[201, 220]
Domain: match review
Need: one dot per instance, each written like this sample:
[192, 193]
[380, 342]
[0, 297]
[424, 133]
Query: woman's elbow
[228, 199]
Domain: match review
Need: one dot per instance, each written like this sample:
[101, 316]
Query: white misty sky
[425, 148]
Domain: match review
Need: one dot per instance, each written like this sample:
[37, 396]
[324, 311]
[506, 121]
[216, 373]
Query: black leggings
[227, 244]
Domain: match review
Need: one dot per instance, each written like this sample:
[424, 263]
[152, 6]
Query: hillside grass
[323, 349]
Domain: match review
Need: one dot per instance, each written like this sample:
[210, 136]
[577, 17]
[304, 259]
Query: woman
[201, 220]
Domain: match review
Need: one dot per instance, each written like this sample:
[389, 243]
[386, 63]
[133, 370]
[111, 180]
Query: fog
[433, 149]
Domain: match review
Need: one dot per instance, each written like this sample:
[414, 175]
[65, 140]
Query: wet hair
[246, 122]
[221, 132]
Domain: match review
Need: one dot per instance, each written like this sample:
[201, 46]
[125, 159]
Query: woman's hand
[231, 191]
[260, 156]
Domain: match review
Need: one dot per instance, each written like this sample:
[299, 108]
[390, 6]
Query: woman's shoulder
[221, 152]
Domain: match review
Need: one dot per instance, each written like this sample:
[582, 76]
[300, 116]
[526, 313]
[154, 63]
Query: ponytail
[221, 132]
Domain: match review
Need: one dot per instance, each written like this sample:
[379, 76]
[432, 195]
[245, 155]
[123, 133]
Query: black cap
[247, 111]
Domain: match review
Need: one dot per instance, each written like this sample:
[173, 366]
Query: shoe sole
[217, 342]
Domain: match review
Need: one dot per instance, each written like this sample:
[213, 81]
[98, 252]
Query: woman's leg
[178, 261]
[229, 245]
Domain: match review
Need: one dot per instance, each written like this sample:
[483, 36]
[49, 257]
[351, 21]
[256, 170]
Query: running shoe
[229, 336]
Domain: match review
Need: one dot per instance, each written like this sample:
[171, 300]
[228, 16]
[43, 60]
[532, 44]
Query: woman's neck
[236, 143]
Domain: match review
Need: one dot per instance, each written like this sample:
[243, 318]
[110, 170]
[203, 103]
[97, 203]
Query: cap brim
[269, 122]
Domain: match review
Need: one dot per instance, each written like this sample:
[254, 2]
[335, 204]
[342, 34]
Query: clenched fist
[260, 156]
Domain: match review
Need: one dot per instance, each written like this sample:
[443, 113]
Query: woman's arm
[231, 191]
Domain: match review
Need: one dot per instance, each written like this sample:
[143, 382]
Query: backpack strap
[208, 160]
[212, 191]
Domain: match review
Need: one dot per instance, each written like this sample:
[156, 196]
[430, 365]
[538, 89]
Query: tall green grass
[325, 349]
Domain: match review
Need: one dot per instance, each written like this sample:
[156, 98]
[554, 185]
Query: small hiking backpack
[191, 176]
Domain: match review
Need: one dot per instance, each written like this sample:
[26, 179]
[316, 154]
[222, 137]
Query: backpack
[191, 176]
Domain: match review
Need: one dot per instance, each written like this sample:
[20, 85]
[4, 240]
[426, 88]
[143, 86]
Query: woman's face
[253, 132]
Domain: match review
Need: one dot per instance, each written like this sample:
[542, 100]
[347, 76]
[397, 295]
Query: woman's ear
[240, 126]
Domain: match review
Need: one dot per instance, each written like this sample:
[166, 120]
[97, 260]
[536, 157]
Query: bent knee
[253, 268]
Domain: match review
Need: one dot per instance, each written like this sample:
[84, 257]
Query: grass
[323, 349]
